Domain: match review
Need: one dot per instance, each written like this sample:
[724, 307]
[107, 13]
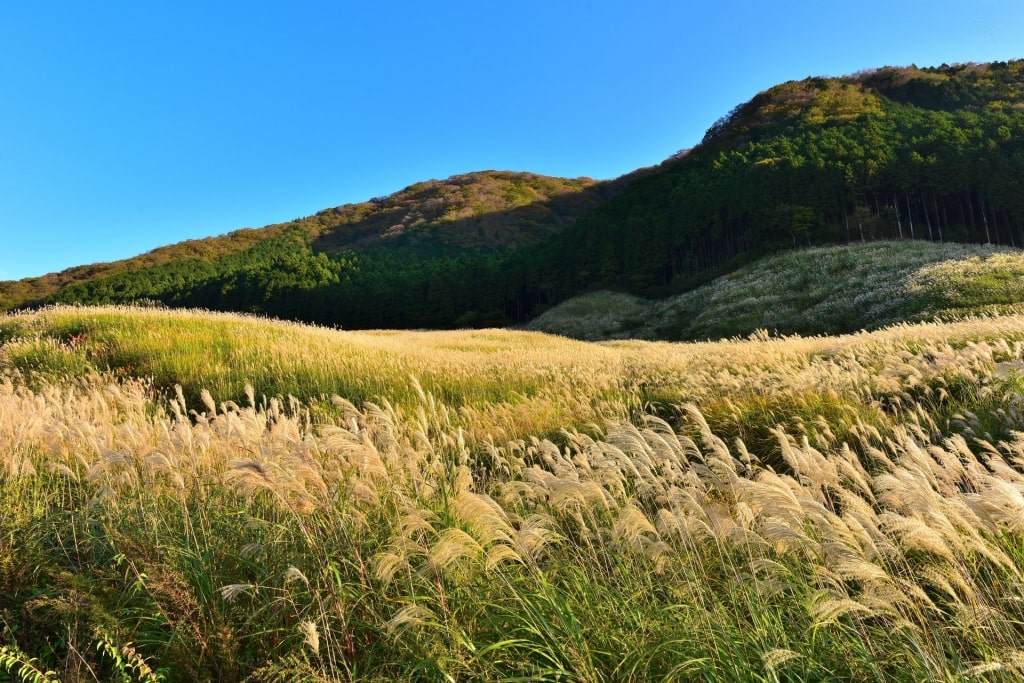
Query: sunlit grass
[321, 505]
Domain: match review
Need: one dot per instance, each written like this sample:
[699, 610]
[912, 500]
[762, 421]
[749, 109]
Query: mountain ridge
[933, 153]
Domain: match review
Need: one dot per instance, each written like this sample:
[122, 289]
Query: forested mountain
[932, 154]
[480, 211]
[894, 153]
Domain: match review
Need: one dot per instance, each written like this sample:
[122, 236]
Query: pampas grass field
[202, 497]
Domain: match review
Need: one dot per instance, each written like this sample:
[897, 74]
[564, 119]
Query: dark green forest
[895, 153]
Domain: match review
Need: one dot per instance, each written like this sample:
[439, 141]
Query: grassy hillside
[507, 505]
[824, 290]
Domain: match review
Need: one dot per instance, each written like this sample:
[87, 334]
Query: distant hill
[36, 290]
[932, 154]
[486, 210]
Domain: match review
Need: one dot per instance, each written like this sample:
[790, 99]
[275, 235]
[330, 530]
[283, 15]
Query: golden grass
[758, 509]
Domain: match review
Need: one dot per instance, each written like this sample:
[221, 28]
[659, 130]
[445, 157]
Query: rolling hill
[818, 291]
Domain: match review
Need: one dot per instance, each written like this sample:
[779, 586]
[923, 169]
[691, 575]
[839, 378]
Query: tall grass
[767, 509]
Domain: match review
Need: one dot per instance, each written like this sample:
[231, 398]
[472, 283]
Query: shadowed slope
[825, 290]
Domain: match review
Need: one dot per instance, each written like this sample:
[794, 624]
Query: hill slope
[934, 154]
[475, 211]
[823, 290]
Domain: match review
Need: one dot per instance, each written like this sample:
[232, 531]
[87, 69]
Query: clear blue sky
[126, 125]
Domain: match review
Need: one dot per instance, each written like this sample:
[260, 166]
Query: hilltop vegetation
[822, 290]
[933, 154]
[486, 210]
[506, 505]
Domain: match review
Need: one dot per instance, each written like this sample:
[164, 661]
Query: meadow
[191, 496]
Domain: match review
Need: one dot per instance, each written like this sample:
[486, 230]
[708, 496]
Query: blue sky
[128, 125]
